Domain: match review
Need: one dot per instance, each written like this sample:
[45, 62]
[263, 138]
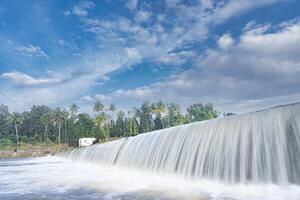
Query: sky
[241, 55]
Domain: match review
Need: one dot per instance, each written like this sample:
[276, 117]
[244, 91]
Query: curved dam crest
[259, 147]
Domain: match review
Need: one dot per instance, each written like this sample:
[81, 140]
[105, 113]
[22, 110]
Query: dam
[257, 148]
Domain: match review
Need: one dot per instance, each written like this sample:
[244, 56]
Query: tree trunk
[59, 133]
[65, 131]
[16, 127]
[46, 134]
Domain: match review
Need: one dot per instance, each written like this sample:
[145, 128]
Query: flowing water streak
[260, 147]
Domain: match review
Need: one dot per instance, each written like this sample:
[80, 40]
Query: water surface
[57, 179]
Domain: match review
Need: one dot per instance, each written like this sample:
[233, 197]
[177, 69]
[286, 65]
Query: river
[53, 178]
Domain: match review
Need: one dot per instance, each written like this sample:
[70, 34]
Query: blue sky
[241, 55]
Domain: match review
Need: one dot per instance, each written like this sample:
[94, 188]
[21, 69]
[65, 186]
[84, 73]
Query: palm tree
[100, 121]
[46, 120]
[98, 107]
[73, 110]
[17, 119]
[65, 116]
[159, 108]
[58, 121]
[112, 108]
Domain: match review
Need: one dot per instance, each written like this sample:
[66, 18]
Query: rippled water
[56, 178]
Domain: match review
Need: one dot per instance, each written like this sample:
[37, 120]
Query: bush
[23, 139]
[5, 143]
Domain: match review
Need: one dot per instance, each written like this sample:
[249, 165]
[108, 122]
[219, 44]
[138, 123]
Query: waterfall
[259, 147]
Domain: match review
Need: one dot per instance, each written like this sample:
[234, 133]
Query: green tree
[58, 115]
[100, 121]
[83, 127]
[112, 109]
[74, 109]
[65, 116]
[98, 107]
[32, 126]
[120, 124]
[85, 121]
[47, 119]
[17, 120]
[158, 109]
[4, 121]
[145, 114]
[174, 116]
[199, 112]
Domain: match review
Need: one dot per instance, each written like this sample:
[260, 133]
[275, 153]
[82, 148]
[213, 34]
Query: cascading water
[260, 147]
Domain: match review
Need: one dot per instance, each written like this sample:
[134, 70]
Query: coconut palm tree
[100, 122]
[65, 116]
[112, 109]
[58, 121]
[47, 119]
[158, 109]
[98, 107]
[74, 109]
[17, 119]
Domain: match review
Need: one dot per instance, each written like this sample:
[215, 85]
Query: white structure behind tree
[84, 142]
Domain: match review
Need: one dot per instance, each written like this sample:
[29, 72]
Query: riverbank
[32, 151]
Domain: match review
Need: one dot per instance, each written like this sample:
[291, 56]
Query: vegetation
[43, 125]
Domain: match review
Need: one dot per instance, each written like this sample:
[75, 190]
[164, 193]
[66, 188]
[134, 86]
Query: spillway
[259, 147]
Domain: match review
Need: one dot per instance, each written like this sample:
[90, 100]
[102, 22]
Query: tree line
[45, 125]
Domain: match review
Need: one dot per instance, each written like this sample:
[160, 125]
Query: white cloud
[82, 8]
[59, 94]
[225, 41]
[258, 71]
[62, 42]
[122, 43]
[67, 13]
[87, 98]
[101, 97]
[132, 4]
[31, 51]
[232, 8]
[155, 43]
[143, 15]
[26, 80]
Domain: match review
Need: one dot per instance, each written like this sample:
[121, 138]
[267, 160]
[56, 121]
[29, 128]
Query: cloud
[62, 42]
[168, 38]
[132, 4]
[143, 15]
[82, 8]
[87, 98]
[225, 41]
[52, 94]
[101, 97]
[67, 13]
[259, 69]
[26, 80]
[160, 43]
[31, 51]
[232, 8]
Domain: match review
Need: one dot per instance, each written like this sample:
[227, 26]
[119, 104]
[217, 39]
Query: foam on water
[57, 178]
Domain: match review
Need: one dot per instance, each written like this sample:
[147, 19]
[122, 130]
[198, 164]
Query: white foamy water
[256, 148]
[57, 178]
